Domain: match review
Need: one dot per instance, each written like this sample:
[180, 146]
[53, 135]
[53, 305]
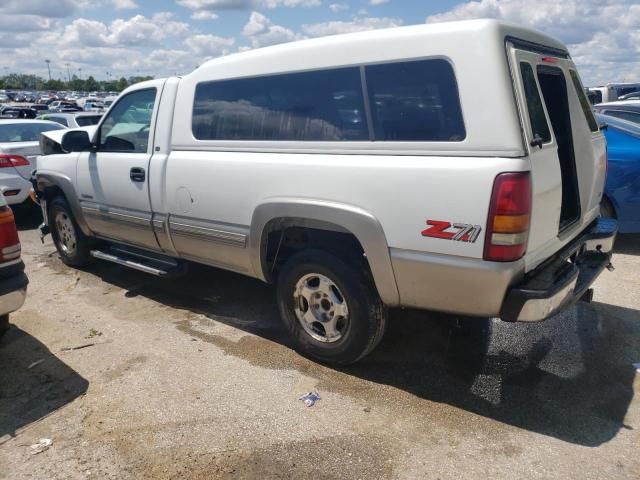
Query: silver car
[19, 148]
[73, 120]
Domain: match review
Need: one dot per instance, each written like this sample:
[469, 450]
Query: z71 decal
[460, 232]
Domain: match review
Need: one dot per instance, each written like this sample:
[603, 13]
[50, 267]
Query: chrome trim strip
[158, 225]
[221, 236]
[215, 263]
[115, 217]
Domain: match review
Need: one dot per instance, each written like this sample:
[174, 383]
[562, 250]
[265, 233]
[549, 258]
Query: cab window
[127, 127]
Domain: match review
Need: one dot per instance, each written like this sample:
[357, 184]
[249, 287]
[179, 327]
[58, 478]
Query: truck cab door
[113, 183]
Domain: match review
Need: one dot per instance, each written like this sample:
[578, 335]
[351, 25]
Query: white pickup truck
[454, 167]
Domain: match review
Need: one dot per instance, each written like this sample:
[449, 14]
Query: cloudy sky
[165, 37]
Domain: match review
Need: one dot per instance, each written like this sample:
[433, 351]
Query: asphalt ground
[195, 378]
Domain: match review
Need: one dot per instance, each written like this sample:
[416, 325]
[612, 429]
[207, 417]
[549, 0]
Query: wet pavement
[195, 378]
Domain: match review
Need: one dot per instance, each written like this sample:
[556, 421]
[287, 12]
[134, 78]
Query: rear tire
[330, 308]
[72, 245]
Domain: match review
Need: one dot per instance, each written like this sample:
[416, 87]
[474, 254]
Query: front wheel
[72, 244]
[331, 309]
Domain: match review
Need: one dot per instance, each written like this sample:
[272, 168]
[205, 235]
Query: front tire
[330, 308]
[71, 243]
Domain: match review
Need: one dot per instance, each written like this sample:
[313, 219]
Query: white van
[454, 167]
[611, 92]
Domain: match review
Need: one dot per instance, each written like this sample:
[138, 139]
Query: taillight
[8, 160]
[9, 241]
[509, 217]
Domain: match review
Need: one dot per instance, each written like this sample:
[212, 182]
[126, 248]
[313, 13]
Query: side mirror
[76, 141]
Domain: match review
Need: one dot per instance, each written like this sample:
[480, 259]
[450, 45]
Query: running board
[142, 261]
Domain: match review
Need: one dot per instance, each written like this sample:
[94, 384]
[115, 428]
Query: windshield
[88, 120]
[25, 132]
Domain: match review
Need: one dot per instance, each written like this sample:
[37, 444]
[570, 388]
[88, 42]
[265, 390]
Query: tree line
[19, 81]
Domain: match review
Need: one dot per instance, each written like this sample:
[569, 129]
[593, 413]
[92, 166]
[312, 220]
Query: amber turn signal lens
[510, 223]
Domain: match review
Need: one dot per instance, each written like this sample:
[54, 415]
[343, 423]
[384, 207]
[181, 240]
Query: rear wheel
[72, 244]
[330, 308]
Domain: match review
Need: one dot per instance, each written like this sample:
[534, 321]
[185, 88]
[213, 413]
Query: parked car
[19, 148]
[627, 110]
[248, 164]
[622, 192]
[93, 107]
[18, 112]
[611, 91]
[40, 108]
[72, 120]
[60, 106]
[630, 96]
[13, 280]
[108, 100]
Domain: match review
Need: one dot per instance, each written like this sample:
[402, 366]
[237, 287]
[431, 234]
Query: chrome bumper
[563, 279]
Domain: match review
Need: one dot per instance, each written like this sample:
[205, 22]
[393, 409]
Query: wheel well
[284, 237]
[52, 192]
[607, 201]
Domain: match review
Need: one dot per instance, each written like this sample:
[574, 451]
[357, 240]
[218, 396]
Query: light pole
[49, 68]
[68, 72]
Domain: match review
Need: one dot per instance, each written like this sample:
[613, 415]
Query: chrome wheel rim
[66, 233]
[321, 308]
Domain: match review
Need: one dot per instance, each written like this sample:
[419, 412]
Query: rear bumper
[13, 288]
[563, 279]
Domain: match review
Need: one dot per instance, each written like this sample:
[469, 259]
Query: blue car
[622, 191]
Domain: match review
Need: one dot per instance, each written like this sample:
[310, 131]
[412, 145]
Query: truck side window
[537, 118]
[324, 105]
[415, 101]
[584, 102]
[126, 128]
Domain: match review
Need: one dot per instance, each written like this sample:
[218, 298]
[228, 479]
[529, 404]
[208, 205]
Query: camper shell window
[408, 101]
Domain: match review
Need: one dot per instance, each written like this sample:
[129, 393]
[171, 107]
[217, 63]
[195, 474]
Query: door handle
[137, 174]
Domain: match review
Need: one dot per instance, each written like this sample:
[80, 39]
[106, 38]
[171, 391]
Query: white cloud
[24, 23]
[203, 7]
[261, 32]
[378, 2]
[124, 4]
[42, 8]
[209, 45]
[602, 36]
[216, 4]
[138, 30]
[203, 15]
[358, 24]
[338, 7]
